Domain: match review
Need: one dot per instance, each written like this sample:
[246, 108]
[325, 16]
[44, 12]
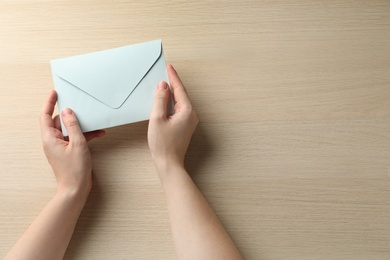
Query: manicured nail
[162, 85]
[67, 112]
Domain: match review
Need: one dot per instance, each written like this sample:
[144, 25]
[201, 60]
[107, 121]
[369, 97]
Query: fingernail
[162, 85]
[67, 112]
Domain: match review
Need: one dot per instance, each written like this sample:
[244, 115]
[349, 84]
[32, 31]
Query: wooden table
[293, 146]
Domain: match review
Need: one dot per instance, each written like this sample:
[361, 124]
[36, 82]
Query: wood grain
[293, 146]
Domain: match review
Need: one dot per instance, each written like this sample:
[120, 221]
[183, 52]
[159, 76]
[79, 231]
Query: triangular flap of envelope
[110, 75]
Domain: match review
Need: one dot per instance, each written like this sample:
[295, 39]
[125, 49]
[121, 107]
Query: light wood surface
[293, 147]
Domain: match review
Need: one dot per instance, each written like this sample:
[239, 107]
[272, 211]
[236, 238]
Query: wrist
[74, 184]
[76, 195]
[72, 199]
[169, 169]
[168, 161]
[165, 165]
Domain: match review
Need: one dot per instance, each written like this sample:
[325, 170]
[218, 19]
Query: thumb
[72, 126]
[161, 98]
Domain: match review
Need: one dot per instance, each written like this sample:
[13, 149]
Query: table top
[292, 149]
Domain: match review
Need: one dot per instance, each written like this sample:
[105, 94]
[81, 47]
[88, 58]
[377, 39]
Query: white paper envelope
[111, 87]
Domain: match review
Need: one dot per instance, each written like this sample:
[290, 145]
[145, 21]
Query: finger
[46, 120]
[48, 107]
[94, 134]
[72, 126]
[57, 122]
[179, 91]
[161, 98]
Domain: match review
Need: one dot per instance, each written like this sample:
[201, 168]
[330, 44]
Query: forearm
[196, 230]
[49, 235]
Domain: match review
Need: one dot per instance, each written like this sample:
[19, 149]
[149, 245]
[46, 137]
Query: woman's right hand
[170, 135]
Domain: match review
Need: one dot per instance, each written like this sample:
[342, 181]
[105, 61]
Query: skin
[49, 235]
[196, 230]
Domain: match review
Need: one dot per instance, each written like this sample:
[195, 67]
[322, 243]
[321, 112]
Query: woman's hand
[169, 136]
[196, 230]
[70, 159]
[49, 235]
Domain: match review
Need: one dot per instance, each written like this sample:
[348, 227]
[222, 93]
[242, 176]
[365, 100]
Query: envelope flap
[110, 75]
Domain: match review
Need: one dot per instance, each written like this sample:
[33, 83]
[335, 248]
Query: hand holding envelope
[111, 87]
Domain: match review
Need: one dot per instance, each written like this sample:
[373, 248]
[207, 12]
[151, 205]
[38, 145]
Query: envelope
[111, 87]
